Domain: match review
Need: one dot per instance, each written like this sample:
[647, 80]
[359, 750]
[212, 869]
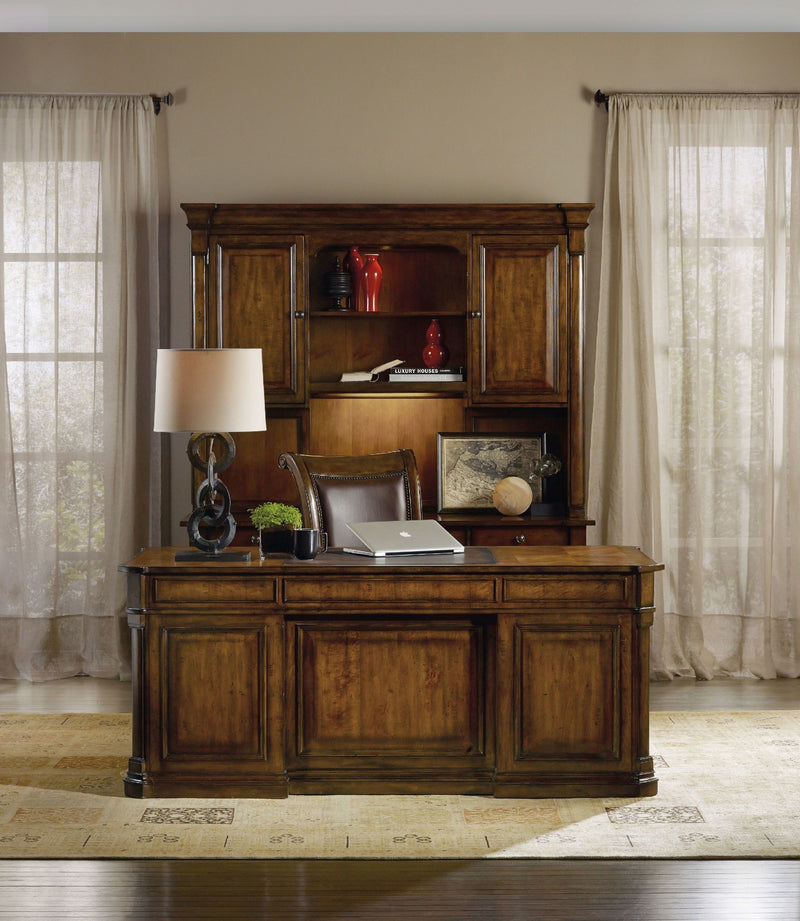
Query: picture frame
[470, 464]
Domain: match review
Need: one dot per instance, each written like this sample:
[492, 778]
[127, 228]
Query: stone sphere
[512, 496]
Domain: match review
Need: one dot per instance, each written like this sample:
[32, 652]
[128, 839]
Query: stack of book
[433, 375]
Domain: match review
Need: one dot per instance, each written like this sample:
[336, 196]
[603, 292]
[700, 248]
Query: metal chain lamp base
[213, 503]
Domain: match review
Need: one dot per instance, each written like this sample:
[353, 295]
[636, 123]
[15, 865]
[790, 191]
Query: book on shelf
[359, 376]
[440, 375]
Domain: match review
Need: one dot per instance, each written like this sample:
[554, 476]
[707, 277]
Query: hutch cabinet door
[519, 344]
[257, 301]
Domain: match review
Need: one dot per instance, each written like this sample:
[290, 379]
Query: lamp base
[208, 556]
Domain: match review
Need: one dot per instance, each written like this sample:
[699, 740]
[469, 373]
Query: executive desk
[515, 671]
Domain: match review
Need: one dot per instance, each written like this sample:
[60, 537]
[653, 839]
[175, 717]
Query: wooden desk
[513, 672]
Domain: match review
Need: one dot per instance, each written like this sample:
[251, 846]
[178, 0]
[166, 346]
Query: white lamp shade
[209, 390]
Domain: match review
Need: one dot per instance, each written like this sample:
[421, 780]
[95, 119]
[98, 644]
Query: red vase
[353, 263]
[371, 275]
[435, 353]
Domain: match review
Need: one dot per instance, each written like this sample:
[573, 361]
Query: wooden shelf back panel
[359, 426]
[254, 475]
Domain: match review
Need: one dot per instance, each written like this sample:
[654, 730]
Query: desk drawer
[172, 590]
[410, 590]
[565, 588]
[518, 536]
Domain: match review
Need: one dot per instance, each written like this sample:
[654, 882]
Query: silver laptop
[393, 538]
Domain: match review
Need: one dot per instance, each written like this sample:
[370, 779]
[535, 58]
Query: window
[695, 444]
[725, 382]
[53, 323]
[79, 325]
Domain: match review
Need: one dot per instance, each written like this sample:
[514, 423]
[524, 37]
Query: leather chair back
[333, 490]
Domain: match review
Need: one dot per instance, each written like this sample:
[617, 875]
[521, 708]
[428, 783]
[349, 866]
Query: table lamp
[210, 393]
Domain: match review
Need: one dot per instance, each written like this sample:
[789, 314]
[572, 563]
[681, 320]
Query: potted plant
[275, 523]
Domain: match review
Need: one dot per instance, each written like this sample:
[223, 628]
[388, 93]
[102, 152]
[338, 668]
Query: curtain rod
[601, 98]
[167, 99]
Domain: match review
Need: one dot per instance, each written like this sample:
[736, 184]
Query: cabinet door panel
[564, 701]
[399, 690]
[521, 307]
[220, 693]
[258, 285]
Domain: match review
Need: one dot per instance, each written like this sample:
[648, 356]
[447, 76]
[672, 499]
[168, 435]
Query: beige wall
[385, 117]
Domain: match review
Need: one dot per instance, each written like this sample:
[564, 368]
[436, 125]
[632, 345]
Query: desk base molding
[324, 783]
[566, 786]
[145, 786]
[411, 782]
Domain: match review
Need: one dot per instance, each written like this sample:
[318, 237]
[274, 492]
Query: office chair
[333, 490]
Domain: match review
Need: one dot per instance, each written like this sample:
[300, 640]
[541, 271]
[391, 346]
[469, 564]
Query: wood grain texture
[359, 426]
[523, 355]
[502, 890]
[349, 703]
[259, 289]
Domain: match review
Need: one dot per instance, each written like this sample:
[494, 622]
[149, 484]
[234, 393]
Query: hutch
[506, 284]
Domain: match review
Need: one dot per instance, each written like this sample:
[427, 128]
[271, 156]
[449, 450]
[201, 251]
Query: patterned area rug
[729, 787]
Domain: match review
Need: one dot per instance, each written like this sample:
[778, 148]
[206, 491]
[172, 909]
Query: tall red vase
[353, 263]
[435, 353]
[371, 275]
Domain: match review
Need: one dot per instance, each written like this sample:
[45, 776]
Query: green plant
[275, 515]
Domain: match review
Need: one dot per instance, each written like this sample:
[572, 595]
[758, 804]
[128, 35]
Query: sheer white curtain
[79, 305]
[695, 437]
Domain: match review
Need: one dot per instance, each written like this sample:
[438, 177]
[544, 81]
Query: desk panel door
[219, 683]
[391, 692]
[564, 690]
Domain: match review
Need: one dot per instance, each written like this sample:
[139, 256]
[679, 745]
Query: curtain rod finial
[601, 98]
[166, 100]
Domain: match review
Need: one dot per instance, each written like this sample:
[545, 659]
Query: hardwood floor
[487, 890]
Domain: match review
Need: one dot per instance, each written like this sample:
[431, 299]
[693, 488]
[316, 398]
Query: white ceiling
[400, 16]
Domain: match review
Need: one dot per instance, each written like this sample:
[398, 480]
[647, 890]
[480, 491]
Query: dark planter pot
[276, 540]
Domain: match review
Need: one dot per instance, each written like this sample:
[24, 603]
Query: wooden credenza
[515, 671]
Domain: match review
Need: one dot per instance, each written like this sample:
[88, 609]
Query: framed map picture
[470, 465]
